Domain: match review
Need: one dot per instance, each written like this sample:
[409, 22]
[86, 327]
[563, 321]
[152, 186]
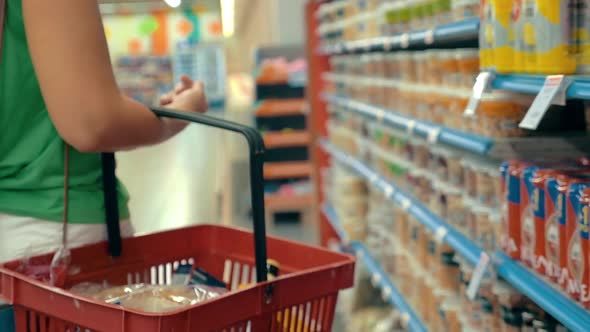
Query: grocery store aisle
[174, 184]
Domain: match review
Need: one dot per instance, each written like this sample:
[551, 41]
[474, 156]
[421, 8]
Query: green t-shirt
[32, 152]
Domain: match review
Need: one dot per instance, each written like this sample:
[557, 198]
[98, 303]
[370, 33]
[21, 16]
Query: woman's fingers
[166, 99]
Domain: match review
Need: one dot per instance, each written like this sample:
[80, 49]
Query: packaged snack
[555, 233]
[532, 204]
[512, 218]
[576, 284]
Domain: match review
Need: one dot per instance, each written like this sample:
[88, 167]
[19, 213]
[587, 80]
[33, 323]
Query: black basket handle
[256, 147]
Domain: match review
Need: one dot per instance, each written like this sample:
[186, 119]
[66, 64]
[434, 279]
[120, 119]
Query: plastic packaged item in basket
[149, 298]
[52, 271]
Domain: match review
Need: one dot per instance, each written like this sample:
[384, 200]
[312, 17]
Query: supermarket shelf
[287, 202]
[553, 301]
[455, 239]
[434, 133]
[573, 316]
[463, 33]
[532, 84]
[287, 170]
[333, 219]
[389, 292]
[380, 279]
[526, 147]
[274, 140]
[280, 107]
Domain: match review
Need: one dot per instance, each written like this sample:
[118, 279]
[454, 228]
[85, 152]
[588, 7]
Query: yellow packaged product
[502, 50]
[582, 36]
[519, 18]
[551, 34]
[486, 36]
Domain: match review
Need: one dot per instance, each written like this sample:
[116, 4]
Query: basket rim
[345, 260]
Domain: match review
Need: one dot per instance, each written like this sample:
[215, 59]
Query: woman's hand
[188, 96]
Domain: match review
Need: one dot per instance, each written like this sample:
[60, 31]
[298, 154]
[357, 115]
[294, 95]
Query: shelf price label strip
[559, 306]
[434, 134]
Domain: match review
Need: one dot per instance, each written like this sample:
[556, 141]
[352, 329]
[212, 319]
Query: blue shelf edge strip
[569, 313]
[462, 31]
[388, 289]
[427, 130]
[532, 84]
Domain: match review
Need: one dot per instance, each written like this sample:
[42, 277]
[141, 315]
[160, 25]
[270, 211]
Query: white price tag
[387, 44]
[373, 178]
[406, 204]
[478, 274]
[385, 293]
[405, 40]
[429, 37]
[411, 126]
[389, 191]
[433, 135]
[440, 234]
[482, 84]
[379, 114]
[375, 279]
[553, 90]
[405, 320]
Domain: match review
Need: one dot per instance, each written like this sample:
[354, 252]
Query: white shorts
[24, 236]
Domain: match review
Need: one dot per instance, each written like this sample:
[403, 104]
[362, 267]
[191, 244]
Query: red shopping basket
[301, 299]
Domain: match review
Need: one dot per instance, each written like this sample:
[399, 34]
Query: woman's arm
[69, 51]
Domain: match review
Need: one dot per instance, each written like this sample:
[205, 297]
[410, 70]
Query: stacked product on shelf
[281, 117]
[463, 190]
[471, 191]
[541, 37]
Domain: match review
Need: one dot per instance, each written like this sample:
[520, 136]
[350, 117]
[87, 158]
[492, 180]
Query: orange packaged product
[577, 267]
[561, 220]
[457, 107]
[499, 116]
[511, 224]
[441, 108]
[434, 76]
[449, 68]
[468, 65]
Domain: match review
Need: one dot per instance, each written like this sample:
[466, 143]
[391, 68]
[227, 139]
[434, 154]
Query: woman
[59, 101]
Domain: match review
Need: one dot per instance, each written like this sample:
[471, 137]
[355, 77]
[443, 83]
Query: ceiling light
[173, 3]
[227, 17]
